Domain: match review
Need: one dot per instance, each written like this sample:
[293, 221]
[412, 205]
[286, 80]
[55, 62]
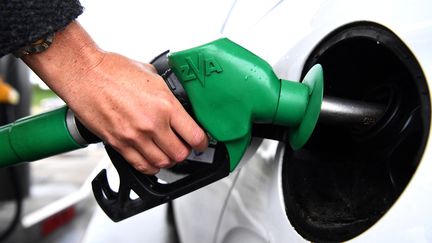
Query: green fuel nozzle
[225, 87]
[230, 88]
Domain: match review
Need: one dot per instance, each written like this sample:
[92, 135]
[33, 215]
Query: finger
[138, 161]
[187, 128]
[154, 155]
[171, 144]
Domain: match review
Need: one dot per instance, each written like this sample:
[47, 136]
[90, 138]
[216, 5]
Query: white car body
[248, 206]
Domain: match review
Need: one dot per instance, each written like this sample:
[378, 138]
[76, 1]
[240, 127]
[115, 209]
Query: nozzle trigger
[150, 189]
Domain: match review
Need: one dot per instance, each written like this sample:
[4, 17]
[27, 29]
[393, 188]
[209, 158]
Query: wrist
[71, 54]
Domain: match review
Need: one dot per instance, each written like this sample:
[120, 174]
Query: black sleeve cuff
[25, 21]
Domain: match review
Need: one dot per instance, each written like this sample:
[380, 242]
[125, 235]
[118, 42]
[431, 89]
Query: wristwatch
[35, 47]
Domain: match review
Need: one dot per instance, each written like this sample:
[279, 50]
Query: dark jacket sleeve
[25, 21]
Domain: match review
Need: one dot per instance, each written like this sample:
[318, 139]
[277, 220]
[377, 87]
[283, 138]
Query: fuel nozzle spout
[352, 113]
[300, 105]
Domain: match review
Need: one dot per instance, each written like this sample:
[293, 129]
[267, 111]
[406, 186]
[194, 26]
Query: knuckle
[146, 169]
[153, 171]
[148, 126]
[163, 163]
[129, 135]
[198, 138]
[116, 144]
[138, 164]
[166, 105]
[181, 154]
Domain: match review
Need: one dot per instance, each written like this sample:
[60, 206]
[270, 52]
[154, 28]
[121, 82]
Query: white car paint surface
[248, 205]
[284, 33]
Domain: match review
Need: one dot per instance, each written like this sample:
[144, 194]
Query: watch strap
[37, 46]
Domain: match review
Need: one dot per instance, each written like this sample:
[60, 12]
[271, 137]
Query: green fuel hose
[36, 137]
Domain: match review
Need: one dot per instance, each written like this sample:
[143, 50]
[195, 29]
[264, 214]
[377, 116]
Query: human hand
[122, 101]
[130, 107]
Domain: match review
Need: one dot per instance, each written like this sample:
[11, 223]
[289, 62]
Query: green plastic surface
[299, 135]
[230, 88]
[35, 137]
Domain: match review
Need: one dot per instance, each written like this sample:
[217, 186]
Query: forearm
[72, 54]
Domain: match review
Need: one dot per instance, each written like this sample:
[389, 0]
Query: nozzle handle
[150, 190]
